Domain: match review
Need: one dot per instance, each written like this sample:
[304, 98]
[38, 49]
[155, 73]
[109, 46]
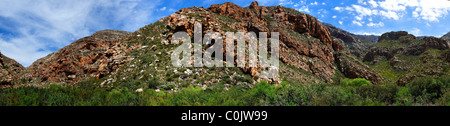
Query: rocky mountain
[401, 57]
[310, 52]
[358, 45]
[305, 46]
[93, 56]
[11, 72]
[446, 36]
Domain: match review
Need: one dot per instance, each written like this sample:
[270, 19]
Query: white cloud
[172, 10]
[362, 10]
[357, 23]
[368, 33]
[362, 2]
[379, 24]
[163, 9]
[415, 32]
[340, 22]
[304, 9]
[429, 10]
[39, 28]
[390, 15]
[349, 8]
[334, 16]
[340, 9]
[373, 3]
[415, 13]
[286, 2]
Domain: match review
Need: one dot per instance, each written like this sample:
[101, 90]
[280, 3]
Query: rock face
[96, 55]
[395, 36]
[10, 71]
[353, 68]
[305, 45]
[304, 42]
[437, 43]
[446, 36]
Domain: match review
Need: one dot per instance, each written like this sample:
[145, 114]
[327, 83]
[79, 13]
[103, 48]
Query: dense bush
[351, 92]
[355, 82]
[428, 88]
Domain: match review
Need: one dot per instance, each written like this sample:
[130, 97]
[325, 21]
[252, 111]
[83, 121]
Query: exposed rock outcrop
[304, 42]
[11, 72]
[96, 55]
[305, 45]
[403, 43]
[437, 43]
[446, 36]
[313, 54]
[395, 36]
[353, 68]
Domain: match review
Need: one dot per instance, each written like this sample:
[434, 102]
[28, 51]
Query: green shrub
[244, 78]
[153, 83]
[403, 97]
[168, 86]
[428, 88]
[418, 92]
[385, 93]
[355, 82]
[5, 66]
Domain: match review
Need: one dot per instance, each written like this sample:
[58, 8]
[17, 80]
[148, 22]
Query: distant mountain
[401, 57]
[358, 45]
[368, 38]
[446, 36]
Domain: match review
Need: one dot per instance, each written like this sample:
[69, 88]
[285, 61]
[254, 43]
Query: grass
[384, 68]
[403, 41]
[225, 18]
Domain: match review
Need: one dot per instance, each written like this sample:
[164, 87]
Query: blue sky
[32, 29]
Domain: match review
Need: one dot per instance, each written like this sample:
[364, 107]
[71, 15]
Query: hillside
[446, 36]
[358, 45]
[400, 57]
[141, 59]
[319, 65]
[93, 56]
[11, 72]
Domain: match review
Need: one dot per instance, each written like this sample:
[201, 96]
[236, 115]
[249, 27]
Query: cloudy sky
[32, 29]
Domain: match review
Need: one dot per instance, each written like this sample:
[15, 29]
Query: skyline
[30, 30]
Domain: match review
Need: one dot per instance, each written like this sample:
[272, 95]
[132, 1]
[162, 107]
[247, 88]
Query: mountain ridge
[310, 51]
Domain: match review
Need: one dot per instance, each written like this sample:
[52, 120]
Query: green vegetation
[292, 11]
[268, 18]
[225, 18]
[351, 92]
[387, 71]
[355, 82]
[403, 41]
[5, 66]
